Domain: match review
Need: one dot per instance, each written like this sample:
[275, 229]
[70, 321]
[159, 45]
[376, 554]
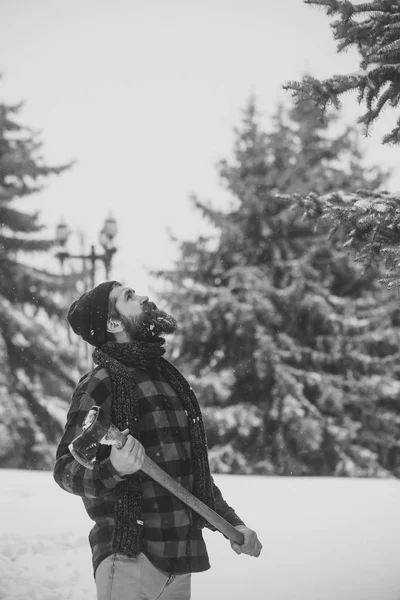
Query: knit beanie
[88, 315]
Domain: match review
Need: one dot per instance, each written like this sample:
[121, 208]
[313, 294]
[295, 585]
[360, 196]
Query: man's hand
[130, 458]
[251, 545]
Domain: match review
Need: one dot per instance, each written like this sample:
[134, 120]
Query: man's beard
[150, 324]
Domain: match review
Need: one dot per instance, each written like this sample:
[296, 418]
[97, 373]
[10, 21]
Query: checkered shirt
[169, 541]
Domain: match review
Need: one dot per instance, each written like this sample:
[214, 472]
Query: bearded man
[145, 542]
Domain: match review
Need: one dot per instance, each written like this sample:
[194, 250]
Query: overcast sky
[145, 95]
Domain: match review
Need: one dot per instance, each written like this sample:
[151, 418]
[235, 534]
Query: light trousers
[119, 577]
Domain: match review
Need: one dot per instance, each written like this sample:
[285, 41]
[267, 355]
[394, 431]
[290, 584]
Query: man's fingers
[137, 453]
[236, 548]
[256, 551]
[251, 545]
[252, 549]
[129, 444]
[132, 444]
[141, 456]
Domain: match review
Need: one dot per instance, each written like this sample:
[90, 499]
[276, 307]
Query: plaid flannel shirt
[169, 541]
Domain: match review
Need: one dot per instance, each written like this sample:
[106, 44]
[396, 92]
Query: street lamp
[62, 233]
[107, 235]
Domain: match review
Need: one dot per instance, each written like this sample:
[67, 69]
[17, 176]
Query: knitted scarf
[114, 357]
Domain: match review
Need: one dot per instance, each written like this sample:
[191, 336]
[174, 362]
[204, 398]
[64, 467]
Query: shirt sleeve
[223, 508]
[68, 473]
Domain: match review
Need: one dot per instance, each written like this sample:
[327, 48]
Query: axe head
[94, 432]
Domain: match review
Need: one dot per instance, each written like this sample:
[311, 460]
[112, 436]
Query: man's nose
[143, 299]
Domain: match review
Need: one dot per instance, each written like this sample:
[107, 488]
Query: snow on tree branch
[374, 29]
[369, 219]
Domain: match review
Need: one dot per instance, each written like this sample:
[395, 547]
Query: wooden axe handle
[160, 476]
[155, 472]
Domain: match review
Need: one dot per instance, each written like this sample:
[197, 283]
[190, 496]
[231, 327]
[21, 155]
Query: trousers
[119, 577]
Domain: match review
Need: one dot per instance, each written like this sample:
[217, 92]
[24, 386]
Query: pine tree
[35, 371]
[289, 346]
[369, 219]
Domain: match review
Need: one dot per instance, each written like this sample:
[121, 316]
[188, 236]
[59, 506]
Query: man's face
[141, 319]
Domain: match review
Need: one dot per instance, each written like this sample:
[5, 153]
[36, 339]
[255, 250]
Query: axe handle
[160, 476]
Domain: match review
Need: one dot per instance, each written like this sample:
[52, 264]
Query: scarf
[114, 357]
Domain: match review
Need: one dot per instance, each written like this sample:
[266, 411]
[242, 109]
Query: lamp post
[107, 235]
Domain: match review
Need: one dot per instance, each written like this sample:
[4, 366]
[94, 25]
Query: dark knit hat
[88, 315]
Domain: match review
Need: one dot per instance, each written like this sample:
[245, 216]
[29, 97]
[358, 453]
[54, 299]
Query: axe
[84, 449]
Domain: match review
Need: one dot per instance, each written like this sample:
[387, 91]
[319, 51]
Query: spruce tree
[369, 219]
[289, 345]
[35, 370]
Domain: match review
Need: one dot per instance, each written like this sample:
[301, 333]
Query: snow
[324, 539]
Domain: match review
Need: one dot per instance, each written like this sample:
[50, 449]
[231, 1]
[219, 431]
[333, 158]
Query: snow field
[324, 539]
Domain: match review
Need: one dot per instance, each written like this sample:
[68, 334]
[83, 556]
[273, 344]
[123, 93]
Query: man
[145, 542]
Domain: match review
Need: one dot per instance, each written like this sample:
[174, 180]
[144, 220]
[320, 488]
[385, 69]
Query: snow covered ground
[324, 539]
